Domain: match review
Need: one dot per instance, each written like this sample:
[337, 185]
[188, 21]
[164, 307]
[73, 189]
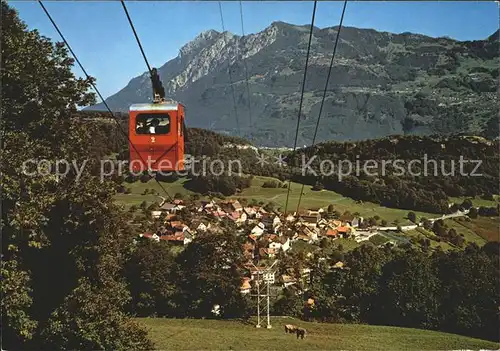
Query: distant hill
[389, 187]
[197, 334]
[382, 83]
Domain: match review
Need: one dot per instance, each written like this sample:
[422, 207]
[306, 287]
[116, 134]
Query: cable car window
[152, 123]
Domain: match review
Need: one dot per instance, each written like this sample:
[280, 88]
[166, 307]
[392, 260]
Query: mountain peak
[289, 27]
[373, 93]
[494, 36]
[198, 43]
[208, 34]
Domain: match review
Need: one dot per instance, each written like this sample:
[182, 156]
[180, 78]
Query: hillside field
[197, 334]
[310, 199]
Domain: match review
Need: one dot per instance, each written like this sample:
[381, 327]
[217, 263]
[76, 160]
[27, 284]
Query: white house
[250, 211]
[258, 229]
[276, 221]
[202, 227]
[241, 219]
[179, 207]
[357, 221]
[285, 244]
[288, 280]
[237, 206]
[155, 214]
[275, 245]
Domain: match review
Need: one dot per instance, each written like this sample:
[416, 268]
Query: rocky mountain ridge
[381, 84]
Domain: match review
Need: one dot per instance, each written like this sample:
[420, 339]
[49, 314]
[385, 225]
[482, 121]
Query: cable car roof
[165, 106]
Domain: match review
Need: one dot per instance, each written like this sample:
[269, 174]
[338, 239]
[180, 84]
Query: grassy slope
[462, 229]
[488, 229]
[196, 334]
[323, 198]
[310, 198]
[136, 197]
[477, 201]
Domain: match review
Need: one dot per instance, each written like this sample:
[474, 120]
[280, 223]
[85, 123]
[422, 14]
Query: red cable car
[157, 133]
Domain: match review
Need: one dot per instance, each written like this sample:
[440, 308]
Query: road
[414, 226]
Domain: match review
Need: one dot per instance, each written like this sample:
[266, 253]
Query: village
[266, 234]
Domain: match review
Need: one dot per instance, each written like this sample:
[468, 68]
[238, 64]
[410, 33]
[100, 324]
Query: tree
[473, 212]
[372, 222]
[269, 207]
[362, 285]
[468, 305]
[318, 186]
[409, 292]
[324, 243]
[151, 274]
[466, 204]
[330, 208]
[154, 206]
[412, 217]
[289, 304]
[211, 274]
[56, 227]
[426, 223]
[178, 196]
[145, 177]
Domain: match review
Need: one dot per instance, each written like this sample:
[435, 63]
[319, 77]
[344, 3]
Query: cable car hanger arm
[158, 89]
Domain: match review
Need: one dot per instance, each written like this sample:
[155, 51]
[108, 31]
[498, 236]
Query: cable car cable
[302, 97]
[246, 71]
[229, 72]
[155, 79]
[326, 89]
[156, 84]
[136, 37]
[97, 90]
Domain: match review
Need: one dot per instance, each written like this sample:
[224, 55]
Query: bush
[473, 213]
[412, 217]
[318, 186]
[271, 184]
[145, 177]
[154, 206]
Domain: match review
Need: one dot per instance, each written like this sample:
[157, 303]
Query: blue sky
[100, 35]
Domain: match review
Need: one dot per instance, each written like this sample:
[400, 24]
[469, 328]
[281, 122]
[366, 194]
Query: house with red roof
[150, 236]
[180, 238]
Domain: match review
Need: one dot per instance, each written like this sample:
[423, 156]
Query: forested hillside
[63, 240]
[409, 287]
[425, 185]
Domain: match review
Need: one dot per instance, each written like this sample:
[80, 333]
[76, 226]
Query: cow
[301, 332]
[290, 328]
